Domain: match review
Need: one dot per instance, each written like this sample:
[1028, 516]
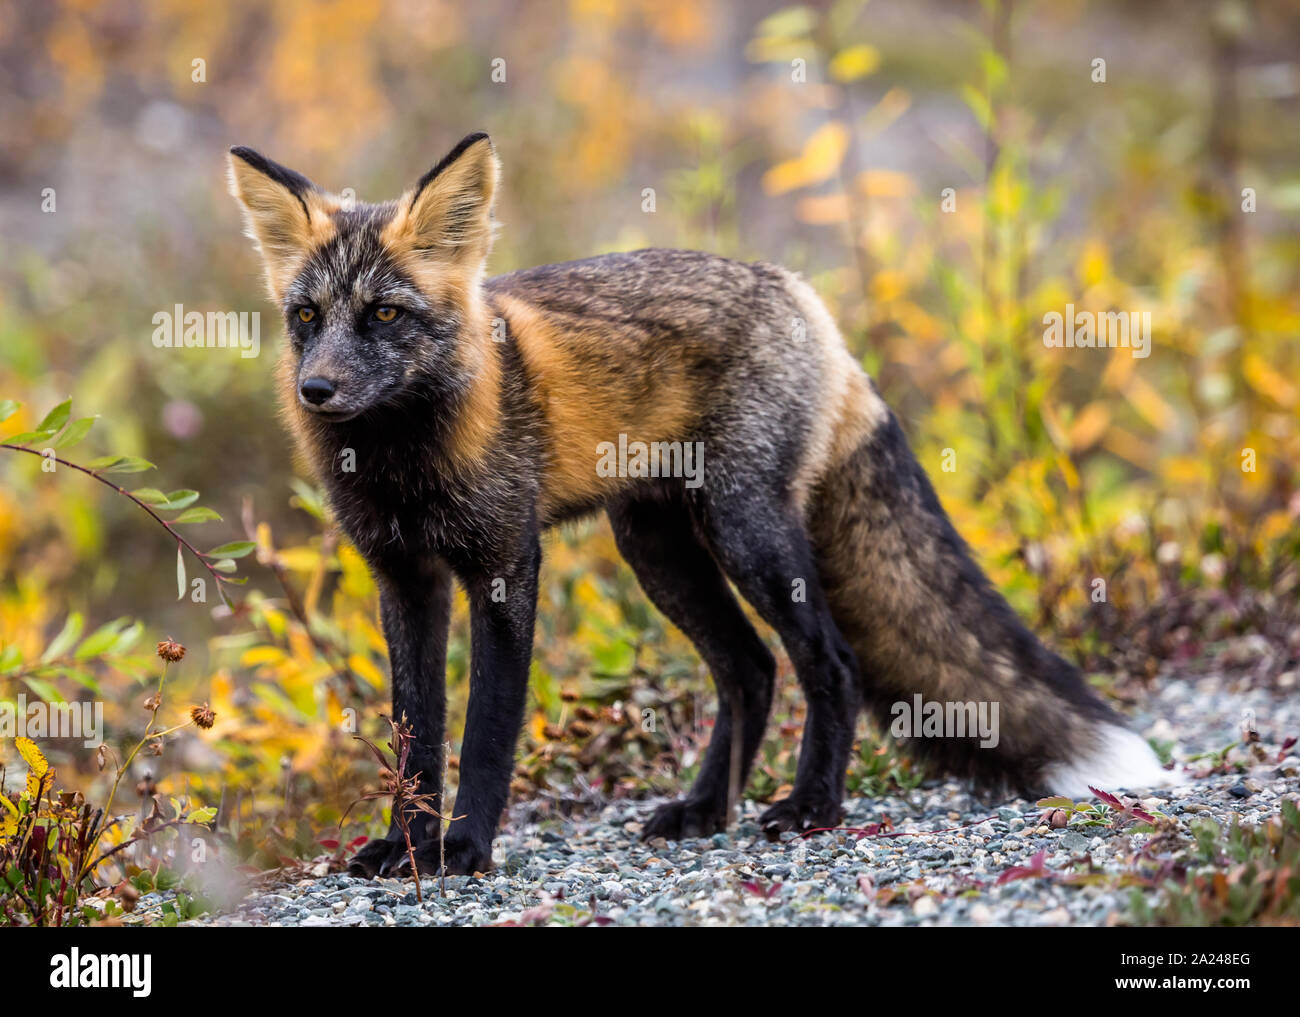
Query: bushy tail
[923, 619]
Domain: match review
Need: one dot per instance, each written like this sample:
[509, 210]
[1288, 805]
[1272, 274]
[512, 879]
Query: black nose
[317, 390]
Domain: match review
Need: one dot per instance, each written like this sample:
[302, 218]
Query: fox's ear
[279, 206]
[449, 213]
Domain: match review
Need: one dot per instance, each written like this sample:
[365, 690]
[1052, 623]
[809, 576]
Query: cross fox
[477, 410]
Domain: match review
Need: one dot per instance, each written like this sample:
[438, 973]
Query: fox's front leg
[415, 605]
[502, 608]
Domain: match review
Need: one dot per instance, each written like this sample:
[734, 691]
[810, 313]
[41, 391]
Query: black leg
[684, 582]
[503, 605]
[415, 605]
[764, 549]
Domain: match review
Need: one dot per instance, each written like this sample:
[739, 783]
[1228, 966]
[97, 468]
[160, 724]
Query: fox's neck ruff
[476, 417]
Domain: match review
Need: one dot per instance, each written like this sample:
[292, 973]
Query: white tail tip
[1121, 759]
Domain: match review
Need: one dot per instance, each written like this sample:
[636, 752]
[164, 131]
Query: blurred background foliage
[823, 137]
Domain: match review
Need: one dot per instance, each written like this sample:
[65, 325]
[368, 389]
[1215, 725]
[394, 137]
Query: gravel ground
[555, 870]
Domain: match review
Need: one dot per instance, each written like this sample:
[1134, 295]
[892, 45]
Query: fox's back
[674, 346]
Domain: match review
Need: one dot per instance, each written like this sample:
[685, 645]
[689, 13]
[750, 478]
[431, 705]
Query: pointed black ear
[449, 211]
[279, 206]
[295, 183]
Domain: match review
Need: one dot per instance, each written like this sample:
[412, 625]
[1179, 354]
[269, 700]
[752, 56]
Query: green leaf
[10, 657]
[63, 642]
[180, 573]
[82, 678]
[149, 495]
[101, 640]
[235, 549]
[127, 638]
[198, 514]
[7, 409]
[308, 499]
[183, 498]
[29, 438]
[127, 464]
[224, 565]
[103, 462]
[77, 430]
[204, 815]
[56, 418]
[46, 690]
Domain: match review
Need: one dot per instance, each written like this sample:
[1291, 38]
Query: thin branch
[217, 576]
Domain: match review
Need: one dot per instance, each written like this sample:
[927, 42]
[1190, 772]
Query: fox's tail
[923, 619]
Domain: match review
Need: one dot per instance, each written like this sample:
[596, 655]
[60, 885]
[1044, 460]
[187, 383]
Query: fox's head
[381, 302]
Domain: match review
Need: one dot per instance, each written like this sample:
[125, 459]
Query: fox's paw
[377, 858]
[685, 818]
[463, 858]
[800, 813]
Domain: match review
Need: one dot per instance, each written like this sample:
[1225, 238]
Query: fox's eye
[385, 314]
[306, 314]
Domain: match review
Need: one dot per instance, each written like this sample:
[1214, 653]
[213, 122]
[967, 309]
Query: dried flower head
[202, 716]
[152, 703]
[171, 651]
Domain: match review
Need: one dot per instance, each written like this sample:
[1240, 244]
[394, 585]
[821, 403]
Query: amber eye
[306, 314]
[385, 314]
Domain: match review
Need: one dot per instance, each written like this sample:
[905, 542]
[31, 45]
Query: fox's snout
[331, 393]
[316, 391]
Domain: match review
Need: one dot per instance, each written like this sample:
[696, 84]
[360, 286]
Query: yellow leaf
[1265, 379]
[885, 184]
[1089, 426]
[363, 666]
[37, 766]
[1128, 446]
[823, 210]
[1068, 471]
[854, 62]
[888, 285]
[261, 655]
[1094, 263]
[1148, 402]
[300, 559]
[1184, 471]
[35, 760]
[356, 580]
[818, 162]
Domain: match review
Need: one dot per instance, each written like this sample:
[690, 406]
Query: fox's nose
[316, 390]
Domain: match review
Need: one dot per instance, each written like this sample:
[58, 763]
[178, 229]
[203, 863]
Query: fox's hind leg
[681, 578]
[763, 547]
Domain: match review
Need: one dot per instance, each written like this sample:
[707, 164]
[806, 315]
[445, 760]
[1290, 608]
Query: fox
[477, 411]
